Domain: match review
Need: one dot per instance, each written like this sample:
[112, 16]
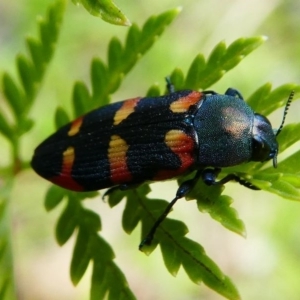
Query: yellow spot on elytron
[174, 138]
[183, 146]
[117, 160]
[75, 126]
[117, 147]
[125, 110]
[183, 104]
[68, 159]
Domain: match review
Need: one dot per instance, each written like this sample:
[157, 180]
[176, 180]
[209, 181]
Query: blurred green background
[265, 265]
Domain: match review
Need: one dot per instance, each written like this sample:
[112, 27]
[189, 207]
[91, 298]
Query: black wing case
[127, 142]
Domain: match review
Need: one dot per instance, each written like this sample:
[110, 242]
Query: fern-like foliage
[106, 10]
[19, 99]
[31, 70]
[106, 78]
[204, 73]
[177, 249]
[107, 278]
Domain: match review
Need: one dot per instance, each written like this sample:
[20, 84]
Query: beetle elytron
[157, 138]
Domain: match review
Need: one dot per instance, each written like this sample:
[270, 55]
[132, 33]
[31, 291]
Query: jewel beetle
[127, 143]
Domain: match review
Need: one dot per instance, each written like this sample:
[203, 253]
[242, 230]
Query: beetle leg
[183, 189]
[209, 177]
[234, 93]
[170, 85]
[209, 92]
[121, 187]
[241, 181]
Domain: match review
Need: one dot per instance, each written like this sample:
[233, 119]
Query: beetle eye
[260, 150]
[264, 144]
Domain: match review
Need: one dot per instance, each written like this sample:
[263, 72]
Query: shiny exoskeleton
[156, 138]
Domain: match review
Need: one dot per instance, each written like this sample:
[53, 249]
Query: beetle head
[264, 144]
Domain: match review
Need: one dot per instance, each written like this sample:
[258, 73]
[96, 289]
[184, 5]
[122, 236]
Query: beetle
[127, 143]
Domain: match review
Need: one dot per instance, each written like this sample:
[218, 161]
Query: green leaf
[49, 28]
[132, 39]
[284, 184]
[216, 56]
[115, 52]
[121, 59]
[177, 250]
[194, 72]
[2, 208]
[200, 267]
[6, 263]
[287, 136]
[171, 256]
[81, 255]
[27, 75]
[226, 215]
[290, 165]
[99, 79]
[98, 284]
[293, 179]
[107, 278]
[131, 215]
[174, 227]
[61, 117]
[221, 60]
[115, 196]
[31, 71]
[139, 42]
[256, 100]
[240, 48]
[265, 101]
[153, 91]
[67, 222]
[177, 79]
[24, 126]
[106, 10]
[13, 95]
[154, 27]
[46, 39]
[53, 197]
[196, 263]
[284, 189]
[102, 251]
[210, 200]
[131, 212]
[5, 128]
[4, 287]
[19, 98]
[3, 249]
[36, 53]
[85, 195]
[90, 220]
[81, 99]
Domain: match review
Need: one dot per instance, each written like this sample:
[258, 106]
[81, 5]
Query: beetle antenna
[170, 85]
[288, 103]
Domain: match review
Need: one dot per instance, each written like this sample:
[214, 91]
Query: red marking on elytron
[75, 126]
[183, 104]
[65, 179]
[183, 145]
[117, 151]
[125, 110]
